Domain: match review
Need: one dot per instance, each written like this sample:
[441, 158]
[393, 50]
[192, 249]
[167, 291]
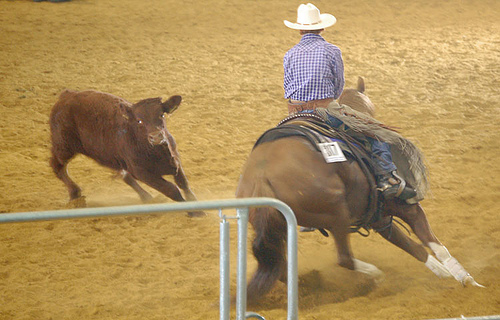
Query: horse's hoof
[469, 280]
[79, 202]
[368, 269]
[195, 214]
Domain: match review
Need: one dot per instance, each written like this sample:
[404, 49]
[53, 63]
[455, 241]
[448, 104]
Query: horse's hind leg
[145, 196]
[340, 230]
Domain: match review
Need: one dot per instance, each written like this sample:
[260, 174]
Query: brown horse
[327, 196]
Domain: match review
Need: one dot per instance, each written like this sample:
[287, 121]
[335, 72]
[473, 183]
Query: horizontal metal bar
[140, 209]
[497, 317]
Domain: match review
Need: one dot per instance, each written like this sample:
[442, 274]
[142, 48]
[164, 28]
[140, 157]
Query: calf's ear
[171, 104]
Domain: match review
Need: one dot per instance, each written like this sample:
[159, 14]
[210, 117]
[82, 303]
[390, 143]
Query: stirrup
[402, 191]
[402, 184]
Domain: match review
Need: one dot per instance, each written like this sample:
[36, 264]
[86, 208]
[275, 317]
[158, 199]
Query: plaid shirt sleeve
[313, 70]
[338, 75]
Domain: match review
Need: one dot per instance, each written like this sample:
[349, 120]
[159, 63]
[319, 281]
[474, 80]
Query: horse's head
[356, 99]
[149, 117]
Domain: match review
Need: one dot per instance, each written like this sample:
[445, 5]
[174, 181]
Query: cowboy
[314, 77]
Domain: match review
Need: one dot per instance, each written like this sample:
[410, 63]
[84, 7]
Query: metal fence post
[241, 288]
[225, 300]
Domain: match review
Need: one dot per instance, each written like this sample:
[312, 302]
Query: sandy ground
[431, 67]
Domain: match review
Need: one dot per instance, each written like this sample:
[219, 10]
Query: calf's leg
[145, 196]
[58, 162]
[166, 187]
[182, 182]
[157, 182]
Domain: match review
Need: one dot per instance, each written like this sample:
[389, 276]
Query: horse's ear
[361, 85]
[171, 104]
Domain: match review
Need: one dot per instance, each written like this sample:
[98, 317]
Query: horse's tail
[268, 245]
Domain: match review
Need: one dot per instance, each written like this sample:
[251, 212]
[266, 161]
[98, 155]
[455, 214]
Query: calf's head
[148, 116]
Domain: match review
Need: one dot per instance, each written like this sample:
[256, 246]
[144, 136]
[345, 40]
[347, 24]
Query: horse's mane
[408, 158]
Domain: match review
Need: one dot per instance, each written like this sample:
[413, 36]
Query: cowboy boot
[393, 186]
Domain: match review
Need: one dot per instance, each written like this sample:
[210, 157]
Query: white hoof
[451, 264]
[469, 280]
[368, 269]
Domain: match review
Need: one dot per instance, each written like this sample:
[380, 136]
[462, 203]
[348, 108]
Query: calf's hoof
[79, 202]
[148, 199]
[195, 214]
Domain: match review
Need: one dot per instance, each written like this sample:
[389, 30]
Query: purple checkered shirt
[313, 70]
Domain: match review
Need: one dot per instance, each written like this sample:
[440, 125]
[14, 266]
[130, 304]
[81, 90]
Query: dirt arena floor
[431, 67]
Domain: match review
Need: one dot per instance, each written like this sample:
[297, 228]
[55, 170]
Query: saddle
[313, 128]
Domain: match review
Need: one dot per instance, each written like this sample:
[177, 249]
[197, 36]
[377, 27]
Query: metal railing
[497, 317]
[241, 206]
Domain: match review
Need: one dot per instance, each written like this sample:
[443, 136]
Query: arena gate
[241, 206]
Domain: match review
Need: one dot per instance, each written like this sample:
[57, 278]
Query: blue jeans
[381, 151]
[381, 154]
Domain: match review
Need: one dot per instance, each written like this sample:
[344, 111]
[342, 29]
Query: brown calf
[129, 138]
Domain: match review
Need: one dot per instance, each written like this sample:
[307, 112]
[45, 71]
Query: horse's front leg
[393, 234]
[415, 217]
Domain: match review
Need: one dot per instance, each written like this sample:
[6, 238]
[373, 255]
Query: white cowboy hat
[309, 18]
